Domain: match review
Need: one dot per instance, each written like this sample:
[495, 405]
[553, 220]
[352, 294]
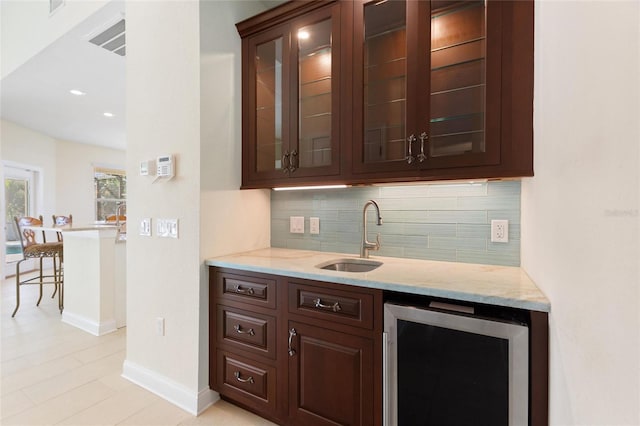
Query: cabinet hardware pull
[241, 380]
[292, 333]
[241, 290]
[410, 158]
[286, 162]
[423, 138]
[335, 307]
[239, 330]
[294, 162]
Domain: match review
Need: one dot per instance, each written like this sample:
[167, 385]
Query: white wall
[231, 220]
[580, 222]
[25, 146]
[166, 277]
[75, 165]
[26, 27]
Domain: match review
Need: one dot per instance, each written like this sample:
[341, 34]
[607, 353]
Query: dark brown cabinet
[297, 352]
[416, 90]
[291, 96]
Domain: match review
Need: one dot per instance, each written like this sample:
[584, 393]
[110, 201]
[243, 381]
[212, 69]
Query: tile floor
[55, 374]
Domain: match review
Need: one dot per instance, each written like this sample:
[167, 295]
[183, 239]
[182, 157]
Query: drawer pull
[239, 330]
[335, 307]
[244, 291]
[241, 380]
[292, 333]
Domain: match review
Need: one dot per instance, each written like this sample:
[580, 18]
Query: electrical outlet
[499, 231]
[160, 326]
[296, 224]
[314, 225]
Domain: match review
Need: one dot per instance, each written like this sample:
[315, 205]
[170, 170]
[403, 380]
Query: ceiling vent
[54, 5]
[112, 39]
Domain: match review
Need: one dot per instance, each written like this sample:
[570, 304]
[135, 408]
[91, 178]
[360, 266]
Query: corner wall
[183, 99]
[580, 220]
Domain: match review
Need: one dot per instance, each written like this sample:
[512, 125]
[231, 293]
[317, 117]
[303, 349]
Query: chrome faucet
[366, 245]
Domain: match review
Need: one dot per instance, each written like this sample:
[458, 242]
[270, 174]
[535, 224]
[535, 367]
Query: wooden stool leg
[17, 289]
[40, 298]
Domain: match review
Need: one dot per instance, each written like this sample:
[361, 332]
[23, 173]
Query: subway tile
[500, 202]
[458, 243]
[448, 221]
[506, 187]
[431, 254]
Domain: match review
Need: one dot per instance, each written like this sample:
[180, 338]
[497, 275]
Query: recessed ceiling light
[303, 34]
[77, 92]
[108, 114]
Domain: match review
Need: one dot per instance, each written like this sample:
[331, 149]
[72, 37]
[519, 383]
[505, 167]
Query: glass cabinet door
[384, 81]
[429, 92]
[268, 102]
[315, 122]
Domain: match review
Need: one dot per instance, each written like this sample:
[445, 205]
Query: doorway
[19, 199]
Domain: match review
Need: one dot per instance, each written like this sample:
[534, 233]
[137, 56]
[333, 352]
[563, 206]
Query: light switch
[167, 228]
[314, 225]
[145, 227]
[296, 224]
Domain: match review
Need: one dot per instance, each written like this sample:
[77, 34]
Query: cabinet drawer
[346, 307]
[247, 381]
[247, 330]
[247, 289]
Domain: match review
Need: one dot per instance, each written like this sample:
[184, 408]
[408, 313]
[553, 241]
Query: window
[111, 190]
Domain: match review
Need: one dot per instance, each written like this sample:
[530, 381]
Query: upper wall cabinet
[387, 91]
[291, 96]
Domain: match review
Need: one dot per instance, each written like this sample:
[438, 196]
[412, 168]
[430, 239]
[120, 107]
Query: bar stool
[31, 249]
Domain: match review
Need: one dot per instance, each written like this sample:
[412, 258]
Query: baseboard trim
[192, 402]
[85, 324]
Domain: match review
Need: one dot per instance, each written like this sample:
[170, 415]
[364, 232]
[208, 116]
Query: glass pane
[458, 83]
[314, 94]
[16, 193]
[268, 63]
[111, 190]
[385, 72]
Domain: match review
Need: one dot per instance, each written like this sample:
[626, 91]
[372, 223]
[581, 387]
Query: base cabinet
[303, 352]
[297, 352]
[326, 369]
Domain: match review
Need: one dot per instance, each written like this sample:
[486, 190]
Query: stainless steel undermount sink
[350, 265]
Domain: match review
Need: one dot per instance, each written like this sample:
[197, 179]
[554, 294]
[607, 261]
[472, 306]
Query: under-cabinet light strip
[299, 188]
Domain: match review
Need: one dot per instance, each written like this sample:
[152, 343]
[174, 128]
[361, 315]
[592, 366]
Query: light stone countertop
[495, 285]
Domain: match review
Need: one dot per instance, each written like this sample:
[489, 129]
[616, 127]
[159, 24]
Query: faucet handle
[377, 247]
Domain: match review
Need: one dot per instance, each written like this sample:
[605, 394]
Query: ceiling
[36, 95]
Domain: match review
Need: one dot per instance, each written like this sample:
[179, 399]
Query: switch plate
[296, 224]
[499, 231]
[160, 326]
[145, 227]
[314, 225]
[167, 228]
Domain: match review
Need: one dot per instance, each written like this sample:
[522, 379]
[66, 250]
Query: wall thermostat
[165, 166]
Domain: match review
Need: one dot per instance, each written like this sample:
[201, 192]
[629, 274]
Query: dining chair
[32, 249]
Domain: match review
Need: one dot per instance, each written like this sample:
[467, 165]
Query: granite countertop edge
[506, 286]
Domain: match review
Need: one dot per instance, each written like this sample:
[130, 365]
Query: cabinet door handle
[292, 333]
[335, 307]
[286, 162]
[423, 138]
[241, 380]
[239, 330]
[410, 158]
[241, 290]
[294, 162]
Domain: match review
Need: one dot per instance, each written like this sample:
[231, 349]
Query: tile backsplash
[448, 221]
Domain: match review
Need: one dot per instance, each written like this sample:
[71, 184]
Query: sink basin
[350, 265]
